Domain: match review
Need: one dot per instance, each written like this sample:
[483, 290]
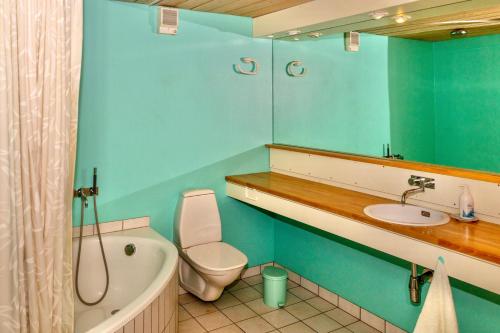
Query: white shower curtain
[40, 57]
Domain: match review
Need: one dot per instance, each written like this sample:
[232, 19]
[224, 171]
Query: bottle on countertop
[466, 204]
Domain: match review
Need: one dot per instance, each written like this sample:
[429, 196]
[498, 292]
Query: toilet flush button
[251, 193]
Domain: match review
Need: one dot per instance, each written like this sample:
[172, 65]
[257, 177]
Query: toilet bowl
[206, 264]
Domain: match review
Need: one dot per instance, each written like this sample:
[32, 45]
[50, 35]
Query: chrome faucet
[421, 182]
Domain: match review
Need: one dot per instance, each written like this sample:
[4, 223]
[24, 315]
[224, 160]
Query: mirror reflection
[429, 101]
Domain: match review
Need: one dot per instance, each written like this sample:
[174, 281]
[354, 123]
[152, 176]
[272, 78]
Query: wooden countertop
[480, 240]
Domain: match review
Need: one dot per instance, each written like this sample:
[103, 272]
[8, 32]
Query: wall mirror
[428, 89]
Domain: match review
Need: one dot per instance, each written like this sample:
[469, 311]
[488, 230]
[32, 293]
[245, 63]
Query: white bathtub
[143, 287]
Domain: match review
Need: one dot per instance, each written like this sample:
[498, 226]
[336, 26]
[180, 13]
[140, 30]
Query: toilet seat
[216, 257]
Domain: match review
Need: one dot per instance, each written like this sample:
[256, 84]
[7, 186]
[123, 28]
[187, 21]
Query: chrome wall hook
[247, 60]
[294, 64]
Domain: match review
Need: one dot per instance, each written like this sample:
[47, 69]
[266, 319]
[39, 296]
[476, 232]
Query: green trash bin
[274, 286]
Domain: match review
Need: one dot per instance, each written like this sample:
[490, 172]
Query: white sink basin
[406, 215]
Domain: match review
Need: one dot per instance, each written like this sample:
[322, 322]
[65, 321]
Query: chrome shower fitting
[416, 282]
[85, 192]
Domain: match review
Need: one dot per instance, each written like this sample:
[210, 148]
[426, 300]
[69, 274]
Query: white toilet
[206, 264]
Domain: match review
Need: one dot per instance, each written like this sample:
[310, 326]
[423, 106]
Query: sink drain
[114, 311]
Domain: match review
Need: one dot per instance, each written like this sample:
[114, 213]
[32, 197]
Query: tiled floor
[241, 309]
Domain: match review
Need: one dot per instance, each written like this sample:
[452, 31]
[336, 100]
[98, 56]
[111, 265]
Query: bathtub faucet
[85, 192]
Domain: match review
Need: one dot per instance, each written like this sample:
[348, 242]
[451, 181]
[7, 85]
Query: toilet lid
[217, 256]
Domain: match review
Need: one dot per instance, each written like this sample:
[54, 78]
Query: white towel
[438, 313]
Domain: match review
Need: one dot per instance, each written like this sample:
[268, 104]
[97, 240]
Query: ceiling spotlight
[315, 34]
[293, 32]
[379, 14]
[296, 38]
[270, 36]
[401, 18]
[458, 32]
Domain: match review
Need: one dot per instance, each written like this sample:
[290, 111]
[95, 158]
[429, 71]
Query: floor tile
[390, 328]
[360, 327]
[372, 320]
[328, 296]
[199, 308]
[259, 287]
[320, 304]
[293, 276]
[187, 298]
[213, 321]
[301, 293]
[259, 307]
[226, 300]
[297, 328]
[253, 280]
[239, 284]
[302, 310]
[190, 326]
[279, 318]
[322, 323]
[291, 284]
[341, 316]
[342, 330]
[239, 312]
[292, 299]
[255, 325]
[183, 314]
[228, 329]
[349, 307]
[246, 294]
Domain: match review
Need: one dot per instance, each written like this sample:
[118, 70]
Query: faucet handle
[422, 182]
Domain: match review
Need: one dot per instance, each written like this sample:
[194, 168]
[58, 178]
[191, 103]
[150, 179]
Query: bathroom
[162, 114]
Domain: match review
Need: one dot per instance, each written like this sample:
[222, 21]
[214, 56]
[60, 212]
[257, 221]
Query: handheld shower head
[94, 183]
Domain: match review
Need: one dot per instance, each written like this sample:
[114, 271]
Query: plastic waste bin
[275, 280]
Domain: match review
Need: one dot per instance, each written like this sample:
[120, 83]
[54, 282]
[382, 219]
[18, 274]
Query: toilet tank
[197, 220]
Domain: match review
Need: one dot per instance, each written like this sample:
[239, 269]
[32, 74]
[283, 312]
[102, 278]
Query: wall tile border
[112, 226]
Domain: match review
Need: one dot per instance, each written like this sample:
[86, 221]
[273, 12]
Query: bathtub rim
[158, 284]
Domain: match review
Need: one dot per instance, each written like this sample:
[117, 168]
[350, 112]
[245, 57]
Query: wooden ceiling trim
[429, 29]
[212, 5]
[190, 4]
[436, 36]
[277, 6]
[170, 3]
[252, 8]
[234, 5]
[259, 5]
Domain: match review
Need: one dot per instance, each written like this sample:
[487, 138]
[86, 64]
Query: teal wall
[411, 91]
[343, 101]
[435, 102]
[160, 114]
[418, 93]
[374, 280]
[467, 103]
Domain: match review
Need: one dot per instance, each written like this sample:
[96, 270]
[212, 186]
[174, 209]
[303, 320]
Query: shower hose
[80, 251]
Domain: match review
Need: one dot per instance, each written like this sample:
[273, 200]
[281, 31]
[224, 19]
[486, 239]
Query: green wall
[411, 91]
[374, 280]
[467, 103]
[161, 114]
[421, 92]
[343, 101]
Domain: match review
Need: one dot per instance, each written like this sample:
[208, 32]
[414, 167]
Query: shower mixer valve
[84, 192]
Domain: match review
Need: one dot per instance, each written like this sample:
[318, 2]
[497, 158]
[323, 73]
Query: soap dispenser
[466, 204]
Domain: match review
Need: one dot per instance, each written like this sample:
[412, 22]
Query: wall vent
[351, 40]
[168, 20]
